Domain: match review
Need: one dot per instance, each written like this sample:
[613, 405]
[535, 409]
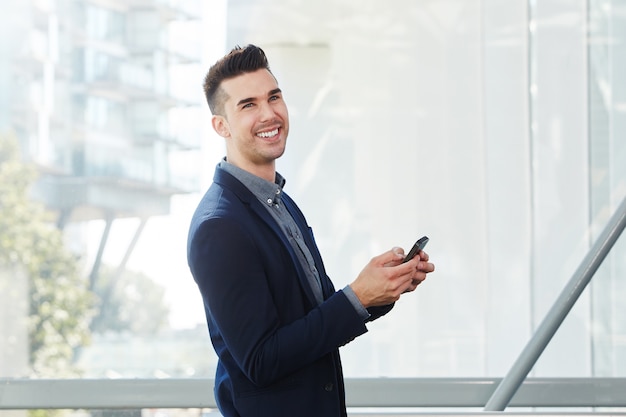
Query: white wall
[427, 125]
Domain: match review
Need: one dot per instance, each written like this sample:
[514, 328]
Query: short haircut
[238, 61]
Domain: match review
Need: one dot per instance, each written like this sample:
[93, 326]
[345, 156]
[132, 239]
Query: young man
[275, 319]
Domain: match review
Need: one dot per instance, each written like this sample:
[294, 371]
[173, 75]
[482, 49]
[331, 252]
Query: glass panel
[607, 148]
[104, 24]
[495, 129]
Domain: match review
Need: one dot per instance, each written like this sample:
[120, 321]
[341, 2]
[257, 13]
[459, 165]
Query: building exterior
[87, 89]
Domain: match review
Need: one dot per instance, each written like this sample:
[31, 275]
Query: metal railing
[555, 316]
[21, 394]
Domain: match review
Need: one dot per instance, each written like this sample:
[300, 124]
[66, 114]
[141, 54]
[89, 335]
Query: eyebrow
[251, 99]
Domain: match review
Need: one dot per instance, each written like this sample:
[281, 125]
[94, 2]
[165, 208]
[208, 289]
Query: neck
[265, 171]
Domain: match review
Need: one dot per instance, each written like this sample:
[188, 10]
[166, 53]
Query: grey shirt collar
[267, 192]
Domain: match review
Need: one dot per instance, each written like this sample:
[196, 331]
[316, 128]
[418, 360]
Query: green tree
[60, 303]
[129, 301]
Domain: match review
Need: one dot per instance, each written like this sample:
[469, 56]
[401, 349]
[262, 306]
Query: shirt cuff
[354, 300]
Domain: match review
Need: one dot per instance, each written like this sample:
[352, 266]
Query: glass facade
[496, 128]
[474, 123]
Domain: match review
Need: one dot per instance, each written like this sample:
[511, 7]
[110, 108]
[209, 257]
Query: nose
[266, 112]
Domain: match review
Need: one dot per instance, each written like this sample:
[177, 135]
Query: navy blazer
[277, 349]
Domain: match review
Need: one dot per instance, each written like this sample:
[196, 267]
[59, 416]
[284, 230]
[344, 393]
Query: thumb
[395, 254]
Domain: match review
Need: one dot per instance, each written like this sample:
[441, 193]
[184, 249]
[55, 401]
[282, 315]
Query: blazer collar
[226, 180]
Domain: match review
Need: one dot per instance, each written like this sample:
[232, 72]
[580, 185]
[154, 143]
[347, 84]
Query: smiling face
[255, 122]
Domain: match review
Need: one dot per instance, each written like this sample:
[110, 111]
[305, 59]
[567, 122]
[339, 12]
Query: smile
[269, 134]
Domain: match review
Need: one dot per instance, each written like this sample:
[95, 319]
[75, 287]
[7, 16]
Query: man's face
[255, 122]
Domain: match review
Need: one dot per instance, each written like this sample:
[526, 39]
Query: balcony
[169, 10]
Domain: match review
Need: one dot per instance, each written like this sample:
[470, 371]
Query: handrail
[135, 393]
[564, 303]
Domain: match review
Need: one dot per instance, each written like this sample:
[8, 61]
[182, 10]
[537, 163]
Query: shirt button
[329, 386]
[269, 201]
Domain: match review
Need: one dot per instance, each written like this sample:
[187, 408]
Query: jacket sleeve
[230, 267]
[378, 312]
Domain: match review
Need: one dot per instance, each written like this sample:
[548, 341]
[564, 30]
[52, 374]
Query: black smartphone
[419, 245]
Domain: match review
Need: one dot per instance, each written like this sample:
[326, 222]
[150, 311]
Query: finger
[398, 260]
[413, 286]
[407, 269]
[424, 256]
[398, 251]
[393, 255]
[393, 263]
[419, 276]
[425, 267]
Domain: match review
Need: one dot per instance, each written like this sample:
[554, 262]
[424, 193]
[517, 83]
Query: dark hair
[238, 61]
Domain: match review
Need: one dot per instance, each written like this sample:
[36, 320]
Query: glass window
[105, 114]
[495, 129]
[105, 24]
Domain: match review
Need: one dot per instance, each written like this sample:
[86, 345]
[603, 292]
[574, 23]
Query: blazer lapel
[228, 181]
[306, 232]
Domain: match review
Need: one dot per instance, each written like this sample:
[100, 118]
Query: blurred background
[496, 128]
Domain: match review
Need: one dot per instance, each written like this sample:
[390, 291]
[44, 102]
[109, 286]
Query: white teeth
[268, 134]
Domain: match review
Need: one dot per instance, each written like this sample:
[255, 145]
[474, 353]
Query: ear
[221, 126]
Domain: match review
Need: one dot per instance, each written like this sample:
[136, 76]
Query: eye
[274, 98]
[247, 105]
